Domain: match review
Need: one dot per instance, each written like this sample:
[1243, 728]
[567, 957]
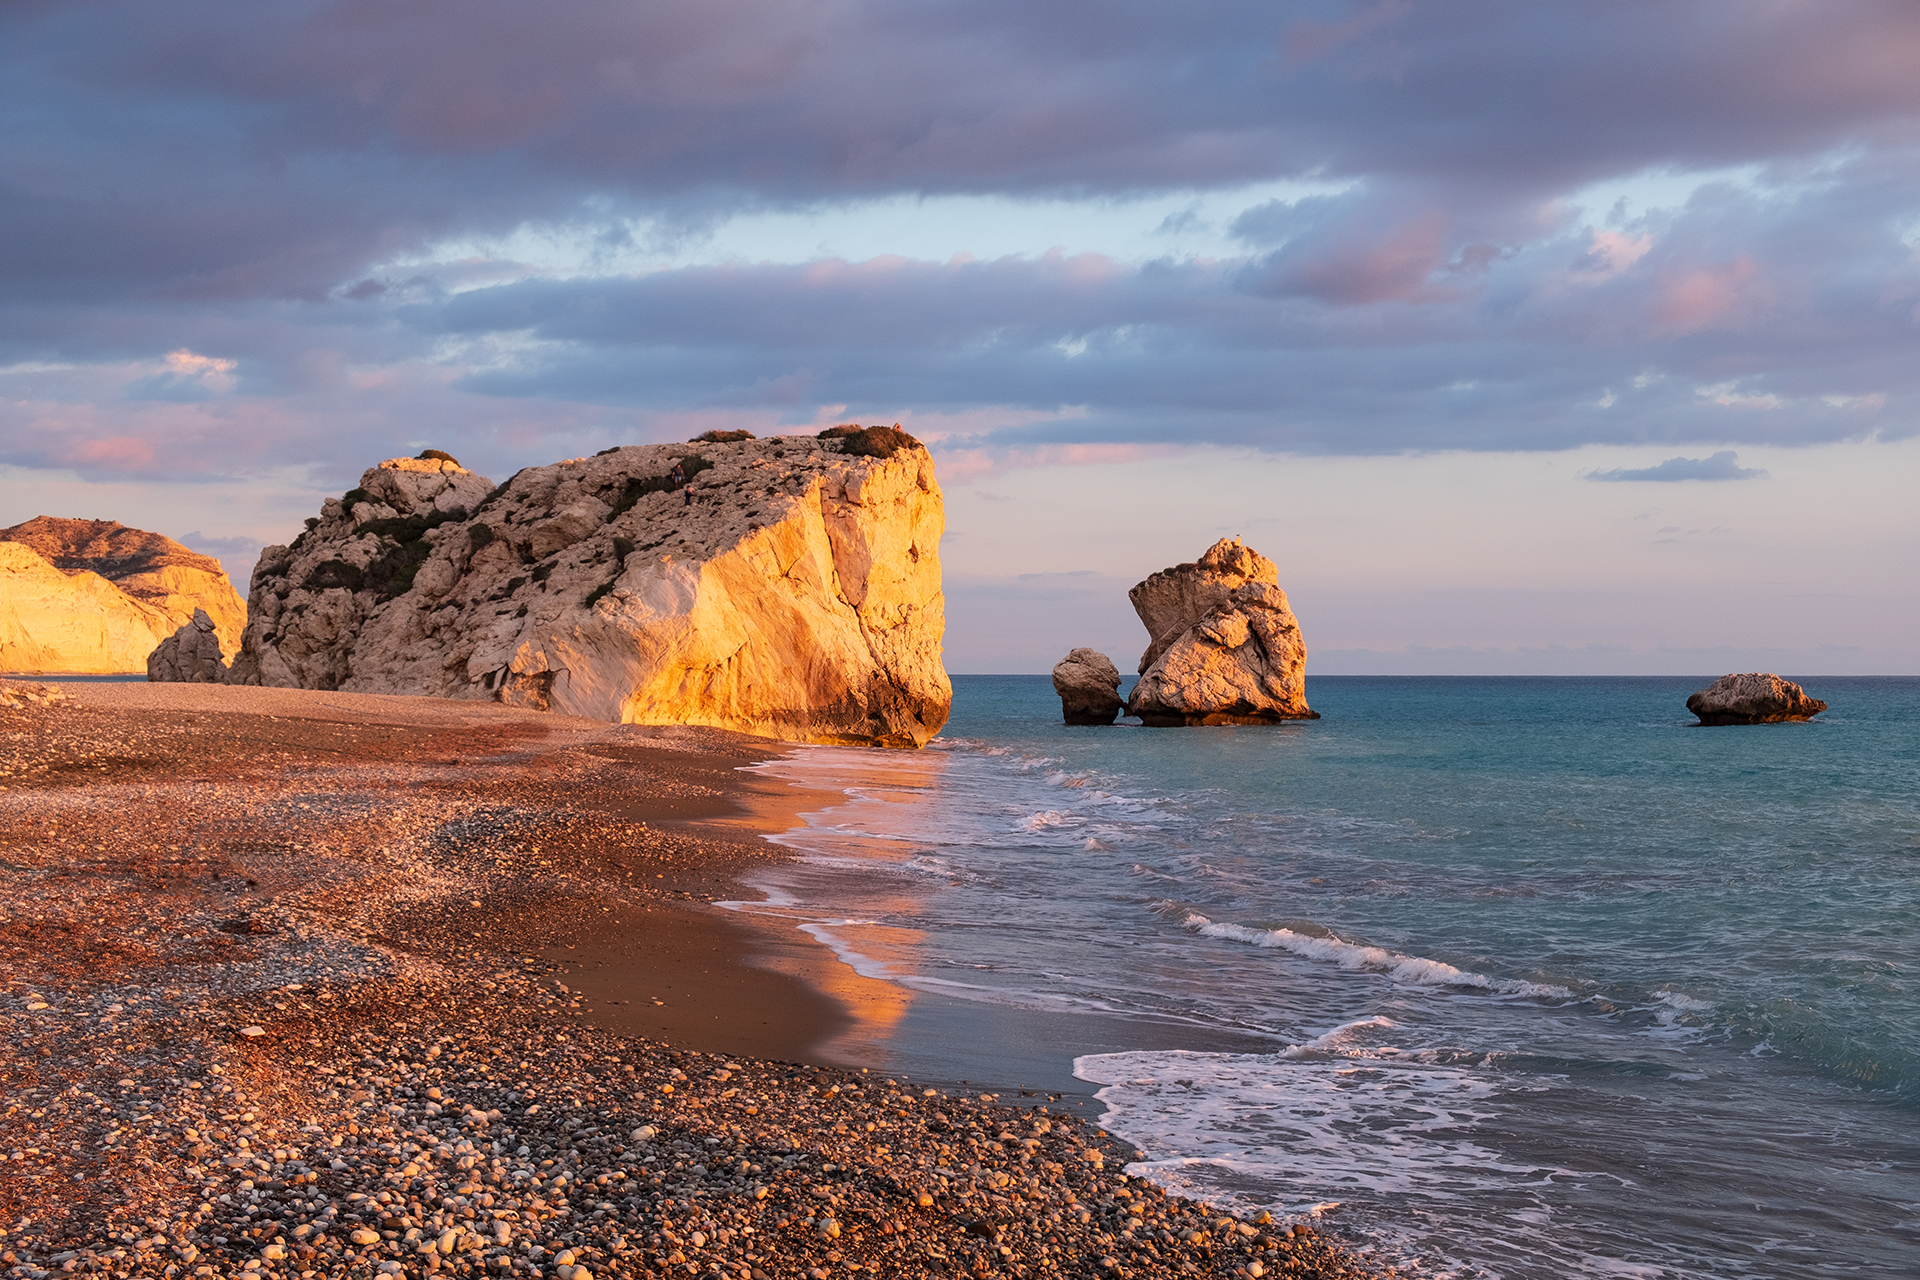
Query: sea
[1495, 977]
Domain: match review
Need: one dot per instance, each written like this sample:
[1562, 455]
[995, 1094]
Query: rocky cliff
[93, 596]
[787, 587]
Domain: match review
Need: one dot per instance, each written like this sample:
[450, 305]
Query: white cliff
[96, 597]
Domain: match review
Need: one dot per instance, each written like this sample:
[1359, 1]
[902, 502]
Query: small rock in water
[1089, 687]
[1753, 697]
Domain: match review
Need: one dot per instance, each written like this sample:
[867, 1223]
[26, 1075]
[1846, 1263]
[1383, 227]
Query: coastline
[324, 984]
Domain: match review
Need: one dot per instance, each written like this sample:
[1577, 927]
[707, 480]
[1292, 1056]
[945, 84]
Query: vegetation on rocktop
[638, 487]
[870, 442]
[437, 455]
[404, 549]
[721, 437]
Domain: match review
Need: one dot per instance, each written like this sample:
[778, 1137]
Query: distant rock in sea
[1226, 648]
[1753, 697]
[95, 597]
[788, 587]
[1089, 687]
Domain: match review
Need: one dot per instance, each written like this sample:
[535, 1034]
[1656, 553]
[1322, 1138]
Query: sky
[1576, 338]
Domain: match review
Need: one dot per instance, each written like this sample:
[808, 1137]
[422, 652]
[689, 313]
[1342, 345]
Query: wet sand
[322, 984]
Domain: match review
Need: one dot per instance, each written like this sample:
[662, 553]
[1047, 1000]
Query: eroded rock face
[1244, 662]
[1089, 687]
[798, 595]
[95, 597]
[190, 655]
[1753, 697]
[1172, 600]
[1226, 647]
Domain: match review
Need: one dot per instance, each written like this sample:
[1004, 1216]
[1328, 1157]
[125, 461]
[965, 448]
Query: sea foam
[1414, 970]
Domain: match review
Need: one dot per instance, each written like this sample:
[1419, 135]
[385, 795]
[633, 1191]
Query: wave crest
[1412, 970]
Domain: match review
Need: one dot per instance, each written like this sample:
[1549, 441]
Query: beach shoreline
[323, 984]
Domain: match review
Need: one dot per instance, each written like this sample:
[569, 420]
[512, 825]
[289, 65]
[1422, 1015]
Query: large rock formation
[1753, 697]
[95, 597]
[791, 588]
[190, 655]
[1089, 687]
[1226, 647]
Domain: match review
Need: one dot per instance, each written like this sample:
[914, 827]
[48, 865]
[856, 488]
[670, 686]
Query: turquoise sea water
[1507, 977]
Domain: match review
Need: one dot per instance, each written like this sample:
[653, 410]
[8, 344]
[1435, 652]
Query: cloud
[1724, 465]
[229, 237]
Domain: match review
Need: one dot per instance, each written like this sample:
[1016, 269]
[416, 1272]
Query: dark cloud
[228, 181]
[215, 149]
[1724, 465]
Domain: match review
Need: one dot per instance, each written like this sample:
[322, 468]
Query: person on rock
[679, 478]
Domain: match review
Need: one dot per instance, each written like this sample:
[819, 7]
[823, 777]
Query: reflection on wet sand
[868, 962]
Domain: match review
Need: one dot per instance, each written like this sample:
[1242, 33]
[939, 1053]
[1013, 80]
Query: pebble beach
[284, 978]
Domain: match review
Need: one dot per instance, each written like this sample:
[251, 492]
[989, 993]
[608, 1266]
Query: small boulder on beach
[1753, 697]
[190, 655]
[1089, 687]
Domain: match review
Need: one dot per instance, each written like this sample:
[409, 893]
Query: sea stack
[90, 597]
[788, 587]
[1224, 646]
[1753, 697]
[1089, 687]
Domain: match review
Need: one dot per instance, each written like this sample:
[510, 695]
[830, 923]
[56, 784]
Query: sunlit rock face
[789, 587]
[96, 597]
[1226, 647]
[1753, 697]
[1172, 600]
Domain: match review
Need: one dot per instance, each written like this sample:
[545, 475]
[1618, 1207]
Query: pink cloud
[1711, 297]
[1356, 271]
[115, 453]
[960, 465]
[1307, 40]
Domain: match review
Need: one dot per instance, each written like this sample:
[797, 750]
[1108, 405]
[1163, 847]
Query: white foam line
[1340, 1039]
[861, 963]
[1412, 970]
